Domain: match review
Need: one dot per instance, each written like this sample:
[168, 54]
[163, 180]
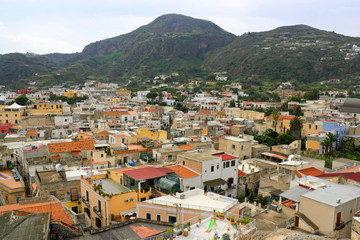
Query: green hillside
[298, 53]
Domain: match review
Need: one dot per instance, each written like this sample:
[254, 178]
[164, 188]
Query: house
[191, 204]
[218, 170]
[54, 182]
[240, 147]
[71, 151]
[12, 114]
[322, 206]
[167, 154]
[12, 187]
[105, 199]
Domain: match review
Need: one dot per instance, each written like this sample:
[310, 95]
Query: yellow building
[12, 114]
[113, 100]
[11, 189]
[159, 135]
[250, 115]
[70, 94]
[314, 127]
[46, 108]
[282, 124]
[105, 200]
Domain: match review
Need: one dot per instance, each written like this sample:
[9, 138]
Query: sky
[67, 26]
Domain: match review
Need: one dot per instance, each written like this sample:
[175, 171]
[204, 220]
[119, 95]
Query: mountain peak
[178, 23]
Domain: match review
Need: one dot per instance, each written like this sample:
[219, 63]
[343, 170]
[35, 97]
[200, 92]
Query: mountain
[299, 53]
[194, 48]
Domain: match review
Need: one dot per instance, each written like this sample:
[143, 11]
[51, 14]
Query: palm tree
[276, 114]
[326, 144]
[296, 125]
[329, 141]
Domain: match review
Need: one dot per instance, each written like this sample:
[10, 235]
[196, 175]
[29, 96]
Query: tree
[22, 100]
[276, 114]
[232, 103]
[329, 141]
[296, 125]
[298, 111]
[312, 95]
[152, 95]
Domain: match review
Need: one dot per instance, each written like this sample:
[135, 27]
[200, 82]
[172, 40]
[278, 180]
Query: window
[184, 163]
[172, 219]
[316, 127]
[158, 217]
[102, 155]
[18, 199]
[87, 195]
[148, 216]
[233, 146]
[212, 168]
[309, 126]
[242, 148]
[99, 205]
[233, 163]
[217, 166]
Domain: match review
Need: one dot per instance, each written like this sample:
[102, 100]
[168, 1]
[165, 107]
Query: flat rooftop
[110, 186]
[7, 179]
[196, 199]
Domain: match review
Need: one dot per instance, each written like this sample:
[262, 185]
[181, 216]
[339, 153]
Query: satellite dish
[58, 167]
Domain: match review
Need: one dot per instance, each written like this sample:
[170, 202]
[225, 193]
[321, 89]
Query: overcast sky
[66, 26]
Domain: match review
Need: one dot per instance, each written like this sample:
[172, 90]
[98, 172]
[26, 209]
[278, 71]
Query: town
[179, 161]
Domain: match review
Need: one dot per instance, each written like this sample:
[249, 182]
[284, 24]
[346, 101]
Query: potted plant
[199, 219]
[232, 220]
[185, 233]
[169, 232]
[188, 226]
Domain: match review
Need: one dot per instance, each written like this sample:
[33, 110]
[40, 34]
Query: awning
[128, 212]
[215, 182]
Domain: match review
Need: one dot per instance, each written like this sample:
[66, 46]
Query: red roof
[325, 175]
[353, 176]
[241, 173]
[81, 145]
[145, 173]
[225, 156]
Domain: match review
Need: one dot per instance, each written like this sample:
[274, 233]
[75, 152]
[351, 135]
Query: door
[296, 221]
[98, 222]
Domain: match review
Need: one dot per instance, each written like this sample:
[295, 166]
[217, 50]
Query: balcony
[97, 212]
[85, 201]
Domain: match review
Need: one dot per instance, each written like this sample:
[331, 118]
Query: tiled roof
[144, 232]
[187, 147]
[117, 113]
[144, 173]
[225, 156]
[183, 172]
[311, 171]
[56, 210]
[81, 145]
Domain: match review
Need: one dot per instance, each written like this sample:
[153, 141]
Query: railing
[85, 201]
[97, 211]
